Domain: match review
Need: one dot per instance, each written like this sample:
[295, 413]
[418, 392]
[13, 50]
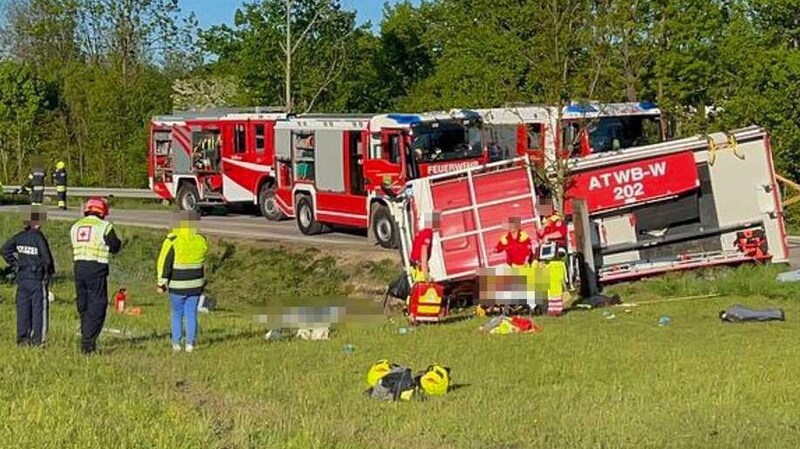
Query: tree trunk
[19, 150]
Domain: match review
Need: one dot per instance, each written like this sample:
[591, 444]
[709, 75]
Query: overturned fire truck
[688, 203]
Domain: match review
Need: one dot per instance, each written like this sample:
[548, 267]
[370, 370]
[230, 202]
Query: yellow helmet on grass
[436, 380]
[377, 371]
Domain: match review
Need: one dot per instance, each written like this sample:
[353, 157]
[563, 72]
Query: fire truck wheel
[268, 204]
[305, 217]
[188, 197]
[384, 228]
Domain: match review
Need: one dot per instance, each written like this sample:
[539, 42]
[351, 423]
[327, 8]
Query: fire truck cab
[544, 133]
[343, 170]
[214, 158]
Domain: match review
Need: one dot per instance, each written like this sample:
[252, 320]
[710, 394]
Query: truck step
[213, 196]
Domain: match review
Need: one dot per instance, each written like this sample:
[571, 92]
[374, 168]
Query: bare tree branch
[308, 28]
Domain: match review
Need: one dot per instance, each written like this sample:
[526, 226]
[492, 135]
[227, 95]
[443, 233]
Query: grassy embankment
[585, 382]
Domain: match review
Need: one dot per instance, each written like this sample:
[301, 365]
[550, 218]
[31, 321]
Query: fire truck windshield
[445, 142]
[616, 133]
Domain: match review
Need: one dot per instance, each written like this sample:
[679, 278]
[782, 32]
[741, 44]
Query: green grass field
[585, 382]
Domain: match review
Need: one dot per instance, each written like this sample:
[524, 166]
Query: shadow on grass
[212, 336]
[228, 337]
[456, 387]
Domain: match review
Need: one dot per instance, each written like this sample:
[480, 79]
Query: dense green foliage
[81, 78]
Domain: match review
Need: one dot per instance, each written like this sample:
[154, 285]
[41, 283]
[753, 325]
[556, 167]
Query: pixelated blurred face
[187, 219]
[514, 224]
[433, 220]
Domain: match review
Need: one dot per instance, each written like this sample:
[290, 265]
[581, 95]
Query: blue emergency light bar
[405, 119]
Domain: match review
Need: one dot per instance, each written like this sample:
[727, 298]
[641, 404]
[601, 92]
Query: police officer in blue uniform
[28, 253]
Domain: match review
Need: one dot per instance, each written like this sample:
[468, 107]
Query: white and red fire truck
[688, 203]
[544, 133]
[214, 157]
[343, 170]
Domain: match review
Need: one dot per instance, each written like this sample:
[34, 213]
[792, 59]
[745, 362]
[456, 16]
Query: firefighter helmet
[96, 206]
[60, 165]
[377, 371]
[436, 380]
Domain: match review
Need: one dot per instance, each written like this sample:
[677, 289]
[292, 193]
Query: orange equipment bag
[753, 243]
[426, 302]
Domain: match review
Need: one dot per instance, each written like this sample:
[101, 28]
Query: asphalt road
[232, 225]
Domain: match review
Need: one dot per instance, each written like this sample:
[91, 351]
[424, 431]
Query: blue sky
[214, 12]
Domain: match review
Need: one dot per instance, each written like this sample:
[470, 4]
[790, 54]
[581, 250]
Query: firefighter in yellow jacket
[181, 271]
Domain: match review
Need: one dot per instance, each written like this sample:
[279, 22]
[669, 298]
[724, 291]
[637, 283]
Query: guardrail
[82, 192]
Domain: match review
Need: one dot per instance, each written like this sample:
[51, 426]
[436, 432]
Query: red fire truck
[342, 170]
[214, 157]
[542, 131]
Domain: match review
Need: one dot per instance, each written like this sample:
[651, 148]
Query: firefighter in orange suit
[517, 245]
[421, 249]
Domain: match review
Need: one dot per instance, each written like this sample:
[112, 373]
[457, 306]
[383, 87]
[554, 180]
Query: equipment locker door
[335, 202]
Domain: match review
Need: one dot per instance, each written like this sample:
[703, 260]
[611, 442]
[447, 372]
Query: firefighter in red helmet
[93, 241]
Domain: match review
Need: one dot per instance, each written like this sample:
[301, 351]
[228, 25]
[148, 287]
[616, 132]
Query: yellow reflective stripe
[194, 283]
[187, 266]
[61, 188]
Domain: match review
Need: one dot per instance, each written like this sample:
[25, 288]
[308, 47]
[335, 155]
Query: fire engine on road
[342, 171]
[544, 133]
[214, 157]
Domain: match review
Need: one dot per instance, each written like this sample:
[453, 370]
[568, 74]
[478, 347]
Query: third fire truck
[545, 133]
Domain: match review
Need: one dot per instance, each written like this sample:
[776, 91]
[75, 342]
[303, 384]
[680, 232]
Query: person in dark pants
[28, 253]
[35, 183]
[93, 241]
[60, 181]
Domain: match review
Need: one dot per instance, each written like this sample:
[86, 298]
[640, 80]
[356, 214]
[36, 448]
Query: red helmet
[97, 206]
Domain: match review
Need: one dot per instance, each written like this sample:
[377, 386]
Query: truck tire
[188, 197]
[305, 217]
[268, 204]
[384, 227]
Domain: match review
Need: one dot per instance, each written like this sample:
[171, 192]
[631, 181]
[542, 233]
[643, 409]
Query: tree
[326, 48]
[22, 98]
[204, 92]
[405, 57]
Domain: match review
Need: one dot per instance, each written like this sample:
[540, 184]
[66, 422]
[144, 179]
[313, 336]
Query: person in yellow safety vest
[60, 181]
[93, 241]
[557, 277]
[180, 271]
